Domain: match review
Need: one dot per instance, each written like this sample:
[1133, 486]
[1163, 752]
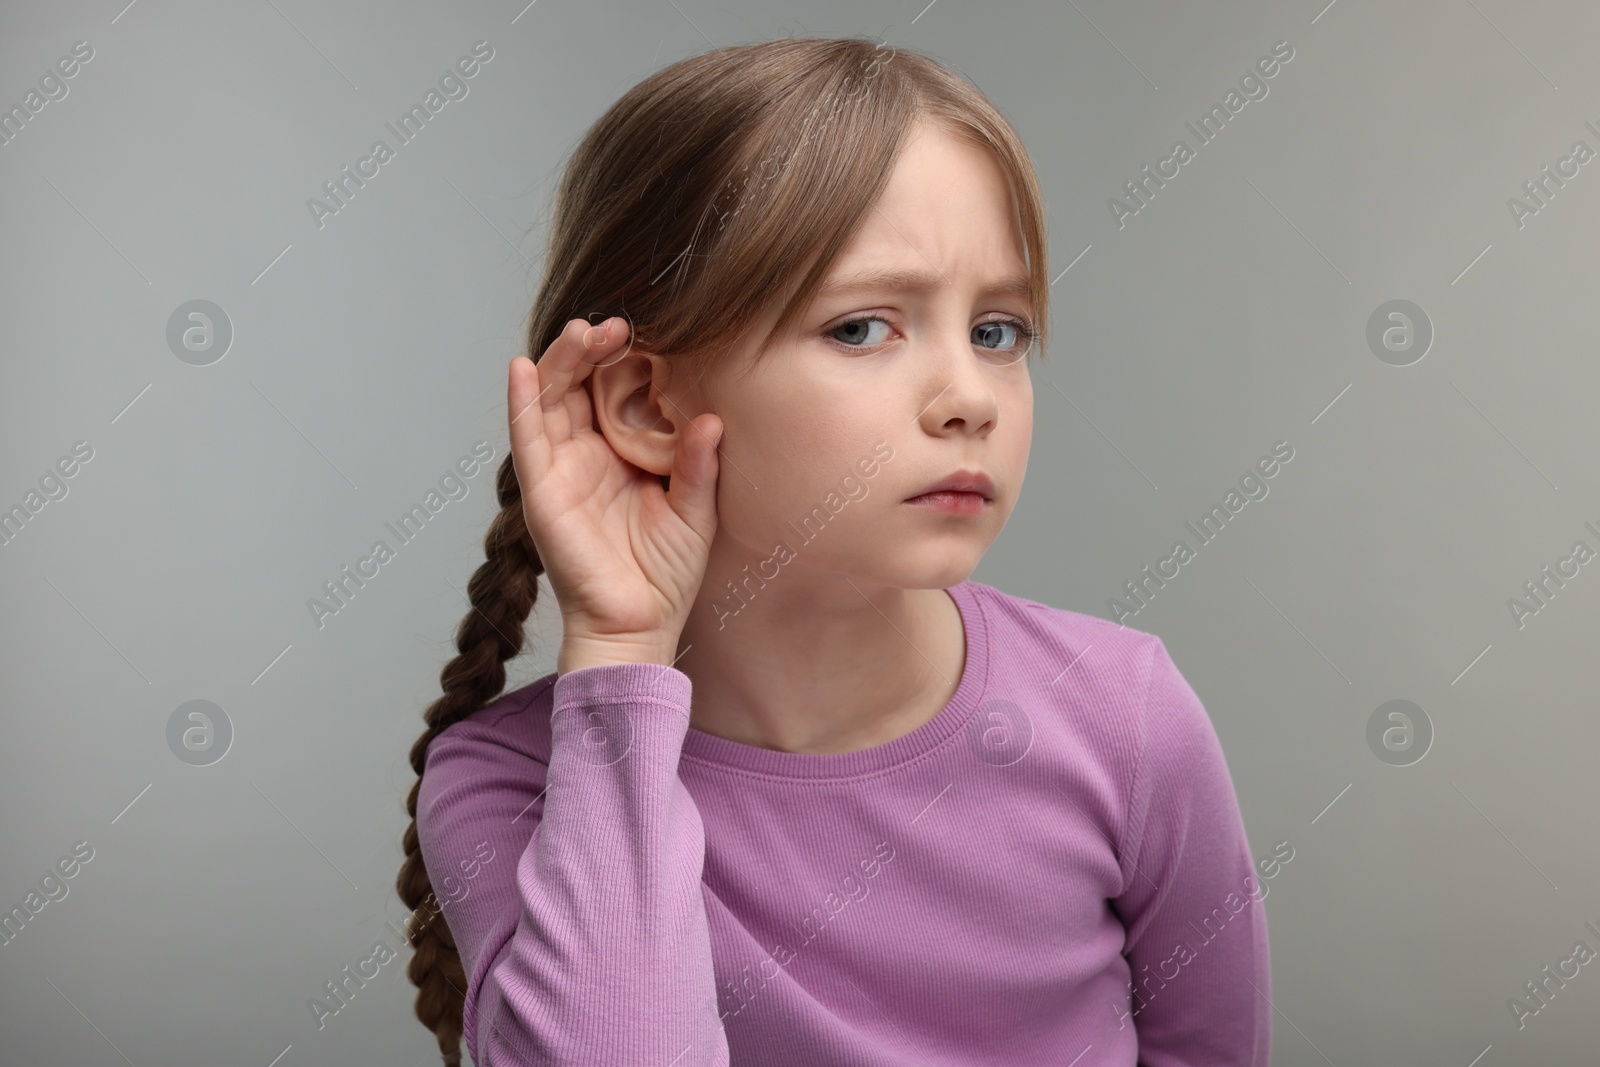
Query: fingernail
[594, 335]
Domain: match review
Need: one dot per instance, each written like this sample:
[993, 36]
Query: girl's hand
[625, 556]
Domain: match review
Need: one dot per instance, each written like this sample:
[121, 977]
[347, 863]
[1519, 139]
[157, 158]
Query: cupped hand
[624, 556]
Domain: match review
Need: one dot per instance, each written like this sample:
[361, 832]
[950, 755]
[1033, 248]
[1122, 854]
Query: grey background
[1229, 314]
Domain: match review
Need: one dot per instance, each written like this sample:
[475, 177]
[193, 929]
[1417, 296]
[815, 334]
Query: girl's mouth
[951, 503]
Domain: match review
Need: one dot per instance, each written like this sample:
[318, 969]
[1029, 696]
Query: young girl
[799, 791]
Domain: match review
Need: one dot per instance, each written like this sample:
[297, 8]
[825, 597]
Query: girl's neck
[820, 668]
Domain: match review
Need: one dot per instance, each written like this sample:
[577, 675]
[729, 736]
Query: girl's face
[924, 368]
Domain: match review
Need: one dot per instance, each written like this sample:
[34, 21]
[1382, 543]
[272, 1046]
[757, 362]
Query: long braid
[502, 593]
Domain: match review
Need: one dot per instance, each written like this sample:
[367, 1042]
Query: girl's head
[907, 366]
[717, 206]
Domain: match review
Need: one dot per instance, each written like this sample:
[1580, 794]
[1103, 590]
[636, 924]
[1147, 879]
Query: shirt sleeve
[594, 946]
[1196, 928]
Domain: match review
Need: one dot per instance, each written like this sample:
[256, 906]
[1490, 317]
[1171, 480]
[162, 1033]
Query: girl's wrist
[579, 651]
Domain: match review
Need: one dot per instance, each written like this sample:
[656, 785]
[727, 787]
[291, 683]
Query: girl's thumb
[692, 488]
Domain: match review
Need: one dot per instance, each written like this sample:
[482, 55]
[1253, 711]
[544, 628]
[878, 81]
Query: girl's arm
[1197, 930]
[596, 950]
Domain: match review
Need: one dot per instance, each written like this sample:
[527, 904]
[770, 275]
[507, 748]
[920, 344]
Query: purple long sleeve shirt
[1051, 870]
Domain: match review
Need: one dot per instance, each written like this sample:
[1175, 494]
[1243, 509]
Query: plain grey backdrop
[1442, 859]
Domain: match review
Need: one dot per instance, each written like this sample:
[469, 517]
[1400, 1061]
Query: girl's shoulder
[1093, 667]
[1019, 622]
[511, 728]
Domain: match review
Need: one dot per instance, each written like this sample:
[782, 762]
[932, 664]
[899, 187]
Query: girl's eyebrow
[917, 281]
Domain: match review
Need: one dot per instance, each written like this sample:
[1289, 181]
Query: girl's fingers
[530, 449]
[570, 358]
[537, 390]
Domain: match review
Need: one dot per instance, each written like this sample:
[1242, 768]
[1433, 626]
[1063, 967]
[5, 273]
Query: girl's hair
[697, 199]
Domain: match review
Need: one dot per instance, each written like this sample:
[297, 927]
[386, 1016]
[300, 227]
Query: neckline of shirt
[718, 752]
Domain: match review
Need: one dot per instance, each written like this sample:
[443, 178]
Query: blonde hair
[708, 185]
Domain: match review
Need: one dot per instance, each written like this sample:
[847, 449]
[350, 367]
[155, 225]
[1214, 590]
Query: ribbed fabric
[1051, 870]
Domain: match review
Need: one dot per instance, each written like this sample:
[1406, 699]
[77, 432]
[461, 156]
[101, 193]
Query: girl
[780, 407]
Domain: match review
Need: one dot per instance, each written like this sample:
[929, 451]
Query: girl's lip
[963, 481]
[956, 503]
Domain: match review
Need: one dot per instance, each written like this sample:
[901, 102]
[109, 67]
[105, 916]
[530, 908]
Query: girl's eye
[1021, 342]
[1003, 341]
[855, 332]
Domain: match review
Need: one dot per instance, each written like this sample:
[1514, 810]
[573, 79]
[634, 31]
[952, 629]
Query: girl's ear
[631, 408]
